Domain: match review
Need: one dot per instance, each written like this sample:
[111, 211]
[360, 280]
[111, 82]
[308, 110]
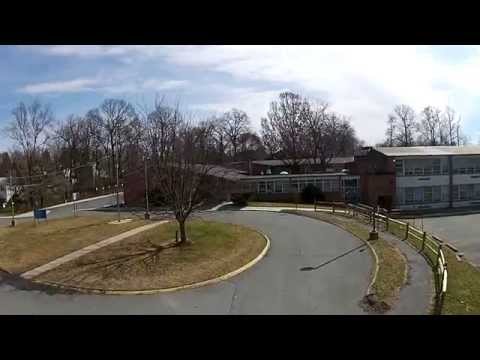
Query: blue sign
[40, 214]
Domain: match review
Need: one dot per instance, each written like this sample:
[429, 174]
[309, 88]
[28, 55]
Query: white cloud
[158, 85]
[114, 85]
[363, 82]
[75, 85]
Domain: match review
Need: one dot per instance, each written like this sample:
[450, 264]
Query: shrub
[311, 193]
[240, 199]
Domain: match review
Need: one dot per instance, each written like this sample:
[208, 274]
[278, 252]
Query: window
[436, 167]
[445, 193]
[399, 167]
[409, 172]
[269, 187]
[327, 186]
[427, 194]
[294, 186]
[350, 183]
[418, 171]
[409, 195]
[437, 193]
[418, 194]
[463, 192]
[261, 187]
[455, 192]
[278, 187]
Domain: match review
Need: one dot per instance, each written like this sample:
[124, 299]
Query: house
[420, 177]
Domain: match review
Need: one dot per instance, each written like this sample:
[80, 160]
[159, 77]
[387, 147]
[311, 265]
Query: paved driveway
[275, 285]
[65, 210]
[462, 231]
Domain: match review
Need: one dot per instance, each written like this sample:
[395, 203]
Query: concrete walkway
[278, 209]
[417, 296]
[76, 254]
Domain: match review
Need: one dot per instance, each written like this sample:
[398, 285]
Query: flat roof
[289, 176]
[429, 150]
[275, 162]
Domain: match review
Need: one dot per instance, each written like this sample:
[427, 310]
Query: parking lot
[462, 231]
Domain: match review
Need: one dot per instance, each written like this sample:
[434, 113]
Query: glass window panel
[261, 186]
[427, 194]
[278, 186]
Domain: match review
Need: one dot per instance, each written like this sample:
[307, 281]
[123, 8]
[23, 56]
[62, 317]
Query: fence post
[386, 222]
[438, 256]
[333, 208]
[424, 237]
[406, 230]
[315, 206]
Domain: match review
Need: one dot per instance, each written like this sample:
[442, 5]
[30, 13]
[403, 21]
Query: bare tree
[183, 174]
[430, 126]
[391, 130]
[28, 130]
[449, 124]
[114, 115]
[317, 133]
[283, 132]
[406, 125]
[236, 123]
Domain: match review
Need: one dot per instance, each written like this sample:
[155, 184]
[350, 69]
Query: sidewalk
[76, 254]
[278, 209]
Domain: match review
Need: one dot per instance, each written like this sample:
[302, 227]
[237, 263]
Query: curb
[156, 291]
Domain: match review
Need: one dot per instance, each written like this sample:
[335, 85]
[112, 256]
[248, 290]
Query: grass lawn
[392, 263]
[27, 245]
[133, 264]
[463, 288]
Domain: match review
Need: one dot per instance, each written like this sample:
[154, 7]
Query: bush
[311, 193]
[240, 199]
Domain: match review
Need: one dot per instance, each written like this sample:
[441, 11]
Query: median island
[149, 261]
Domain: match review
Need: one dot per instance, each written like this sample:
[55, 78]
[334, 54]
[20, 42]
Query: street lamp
[118, 195]
[147, 211]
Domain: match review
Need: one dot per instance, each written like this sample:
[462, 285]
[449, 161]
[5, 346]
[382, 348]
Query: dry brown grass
[27, 245]
[217, 249]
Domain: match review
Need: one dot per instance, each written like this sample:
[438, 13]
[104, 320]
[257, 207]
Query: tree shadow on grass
[19, 283]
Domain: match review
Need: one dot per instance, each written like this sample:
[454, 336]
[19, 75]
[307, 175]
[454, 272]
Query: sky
[362, 82]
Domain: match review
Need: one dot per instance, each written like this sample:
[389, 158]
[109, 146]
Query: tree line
[431, 127]
[117, 132]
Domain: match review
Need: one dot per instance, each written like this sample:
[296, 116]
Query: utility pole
[118, 194]
[147, 212]
[12, 200]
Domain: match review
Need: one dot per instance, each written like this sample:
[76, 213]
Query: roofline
[289, 176]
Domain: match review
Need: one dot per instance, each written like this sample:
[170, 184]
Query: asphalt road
[275, 285]
[461, 231]
[65, 210]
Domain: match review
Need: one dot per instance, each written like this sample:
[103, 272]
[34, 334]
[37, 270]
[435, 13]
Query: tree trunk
[183, 233]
